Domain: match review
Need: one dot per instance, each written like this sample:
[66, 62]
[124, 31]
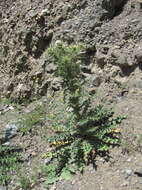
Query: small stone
[43, 13]
[124, 184]
[101, 59]
[11, 130]
[53, 187]
[8, 108]
[129, 160]
[69, 109]
[96, 81]
[6, 144]
[102, 160]
[50, 68]
[128, 173]
[47, 161]
[92, 90]
[56, 84]
[139, 172]
[73, 182]
[34, 153]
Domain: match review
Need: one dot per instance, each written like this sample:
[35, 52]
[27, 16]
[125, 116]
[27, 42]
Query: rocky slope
[27, 28]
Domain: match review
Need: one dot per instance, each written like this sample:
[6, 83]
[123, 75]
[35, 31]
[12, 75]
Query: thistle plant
[68, 61]
[88, 131]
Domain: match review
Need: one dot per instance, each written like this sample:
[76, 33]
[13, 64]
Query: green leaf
[66, 174]
[51, 180]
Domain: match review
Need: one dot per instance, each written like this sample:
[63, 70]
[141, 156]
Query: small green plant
[9, 161]
[6, 101]
[29, 120]
[87, 131]
[24, 182]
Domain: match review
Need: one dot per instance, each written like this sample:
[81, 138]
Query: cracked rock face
[27, 28]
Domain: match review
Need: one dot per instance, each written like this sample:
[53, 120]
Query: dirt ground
[122, 170]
